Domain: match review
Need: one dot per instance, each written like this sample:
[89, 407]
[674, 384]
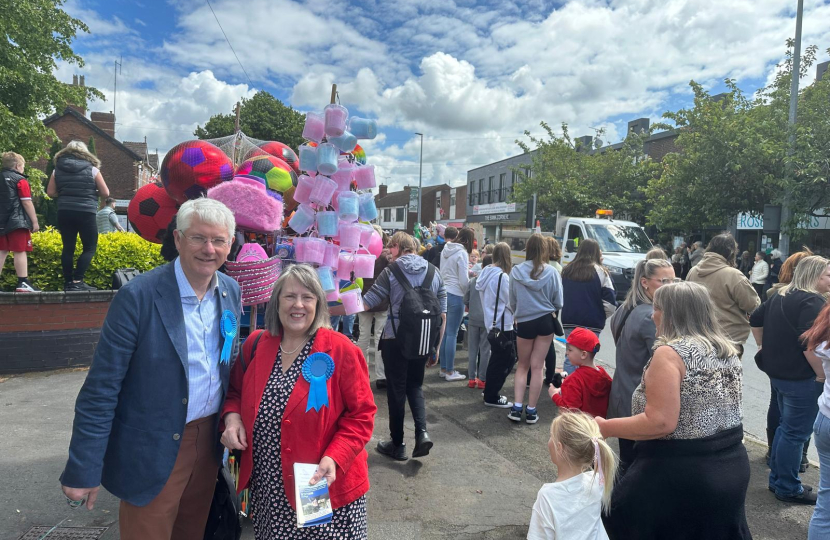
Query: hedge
[115, 250]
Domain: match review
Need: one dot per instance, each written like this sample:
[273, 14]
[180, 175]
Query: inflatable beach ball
[282, 151]
[278, 175]
[151, 211]
[191, 168]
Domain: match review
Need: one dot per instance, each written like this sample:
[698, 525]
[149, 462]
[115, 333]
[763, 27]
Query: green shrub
[115, 250]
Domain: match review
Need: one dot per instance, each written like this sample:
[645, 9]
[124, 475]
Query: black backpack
[419, 316]
[122, 276]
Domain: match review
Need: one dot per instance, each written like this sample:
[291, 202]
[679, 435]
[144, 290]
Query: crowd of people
[298, 391]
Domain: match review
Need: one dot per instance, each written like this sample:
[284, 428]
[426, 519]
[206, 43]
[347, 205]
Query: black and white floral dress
[272, 514]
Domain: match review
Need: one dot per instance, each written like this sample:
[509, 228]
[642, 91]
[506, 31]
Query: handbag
[557, 326]
[498, 338]
[759, 356]
[122, 276]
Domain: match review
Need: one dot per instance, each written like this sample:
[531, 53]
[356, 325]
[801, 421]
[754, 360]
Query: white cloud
[471, 76]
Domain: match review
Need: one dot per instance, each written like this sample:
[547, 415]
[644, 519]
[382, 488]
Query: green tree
[723, 168]
[38, 33]
[579, 181]
[262, 117]
[91, 145]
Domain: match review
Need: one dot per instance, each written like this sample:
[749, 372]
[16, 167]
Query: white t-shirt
[568, 510]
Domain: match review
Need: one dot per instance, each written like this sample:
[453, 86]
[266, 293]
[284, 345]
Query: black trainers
[805, 486]
[388, 448]
[380, 384]
[531, 417]
[423, 444]
[501, 403]
[71, 287]
[86, 287]
[805, 497]
[515, 414]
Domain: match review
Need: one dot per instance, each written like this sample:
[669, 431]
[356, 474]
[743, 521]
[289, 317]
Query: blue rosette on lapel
[317, 369]
[228, 326]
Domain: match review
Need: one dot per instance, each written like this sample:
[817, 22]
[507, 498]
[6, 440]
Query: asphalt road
[479, 482]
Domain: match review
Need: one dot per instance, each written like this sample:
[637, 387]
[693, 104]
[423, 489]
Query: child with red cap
[588, 387]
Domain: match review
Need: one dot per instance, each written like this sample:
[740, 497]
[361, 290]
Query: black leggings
[72, 223]
[404, 379]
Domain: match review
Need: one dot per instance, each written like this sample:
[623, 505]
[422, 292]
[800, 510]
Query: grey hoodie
[532, 298]
[455, 269]
[386, 287]
[488, 285]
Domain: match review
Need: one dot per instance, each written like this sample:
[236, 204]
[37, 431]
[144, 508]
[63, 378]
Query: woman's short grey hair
[307, 277]
[775, 254]
[806, 275]
[647, 268]
[208, 211]
[689, 313]
[79, 150]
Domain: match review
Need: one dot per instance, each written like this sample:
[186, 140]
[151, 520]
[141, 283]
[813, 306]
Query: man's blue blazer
[131, 411]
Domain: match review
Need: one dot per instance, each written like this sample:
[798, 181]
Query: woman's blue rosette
[228, 327]
[317, 369]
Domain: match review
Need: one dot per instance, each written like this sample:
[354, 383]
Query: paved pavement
[479, 482]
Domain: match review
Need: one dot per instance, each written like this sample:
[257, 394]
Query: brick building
[125, 166]
[399, 210]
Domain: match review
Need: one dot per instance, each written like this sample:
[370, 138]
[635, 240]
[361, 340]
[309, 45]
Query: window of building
[387, 214]
[452, 200]
[481, 191]
[437, 203]
[502, 187]
[490, 188]
[471, 193]
[399, 215]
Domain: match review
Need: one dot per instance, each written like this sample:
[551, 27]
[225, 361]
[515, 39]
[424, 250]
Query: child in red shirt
[17, 218]
[588, 387]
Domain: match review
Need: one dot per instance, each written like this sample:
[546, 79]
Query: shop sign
[500, 207]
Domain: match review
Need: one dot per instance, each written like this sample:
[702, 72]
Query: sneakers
[515, 413]
[380, 384]
[423, 444]
[388, 448]
[76, 286]
[808, 497]
[531, 417]
[454, 376]
[502, 403]
[480, 384]
[472, 383]
[25, 286]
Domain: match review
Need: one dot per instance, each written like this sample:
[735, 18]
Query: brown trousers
[180, 511]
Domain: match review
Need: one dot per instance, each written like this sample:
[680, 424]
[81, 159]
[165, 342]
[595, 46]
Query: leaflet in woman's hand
[313, 502]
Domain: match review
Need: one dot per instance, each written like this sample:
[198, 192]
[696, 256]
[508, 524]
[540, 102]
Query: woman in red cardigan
[271, 415]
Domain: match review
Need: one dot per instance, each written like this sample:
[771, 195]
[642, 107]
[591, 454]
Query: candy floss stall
[312, 206]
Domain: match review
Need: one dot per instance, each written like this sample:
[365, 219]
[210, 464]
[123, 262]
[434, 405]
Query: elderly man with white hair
[146, 419]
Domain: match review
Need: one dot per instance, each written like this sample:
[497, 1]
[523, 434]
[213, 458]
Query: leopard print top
[710, 393]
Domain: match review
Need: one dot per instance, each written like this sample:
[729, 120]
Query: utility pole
[420, 171]
[236, 122]
[115, 92]
[786, 213]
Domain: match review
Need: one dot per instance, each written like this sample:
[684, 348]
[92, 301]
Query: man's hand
[234, 436]
[327, 468]
[79, 494]
[35, 226]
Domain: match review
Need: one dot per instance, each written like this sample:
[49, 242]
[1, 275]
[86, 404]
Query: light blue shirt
[204, 342]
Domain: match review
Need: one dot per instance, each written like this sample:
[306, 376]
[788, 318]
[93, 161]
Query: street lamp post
[420, 170]
[786, 213]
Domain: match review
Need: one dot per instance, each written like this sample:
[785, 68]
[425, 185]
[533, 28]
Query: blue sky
[471, 76]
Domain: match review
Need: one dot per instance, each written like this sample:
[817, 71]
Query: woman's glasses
[666, 281]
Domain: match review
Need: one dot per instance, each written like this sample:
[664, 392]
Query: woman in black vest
[77, 184]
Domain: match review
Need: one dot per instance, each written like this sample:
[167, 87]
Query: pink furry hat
[252, 207]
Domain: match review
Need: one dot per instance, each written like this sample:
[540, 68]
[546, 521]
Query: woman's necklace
[295, 350]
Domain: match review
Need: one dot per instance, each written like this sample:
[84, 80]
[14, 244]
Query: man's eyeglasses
[199, 241]
[666, 281]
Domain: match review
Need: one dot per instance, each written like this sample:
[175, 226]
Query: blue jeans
[348, 324]
[820, 523]
[798, 402]
[455, 313]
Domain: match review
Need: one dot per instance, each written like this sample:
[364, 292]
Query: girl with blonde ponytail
[586, 466]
